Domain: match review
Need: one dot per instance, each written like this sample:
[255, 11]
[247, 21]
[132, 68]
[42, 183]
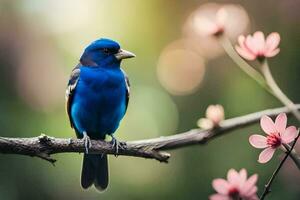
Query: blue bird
[96, 100]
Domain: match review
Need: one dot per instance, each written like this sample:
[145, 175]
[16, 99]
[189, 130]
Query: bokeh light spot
[180, 71]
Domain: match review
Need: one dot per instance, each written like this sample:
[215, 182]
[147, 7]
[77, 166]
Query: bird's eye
[105, 50]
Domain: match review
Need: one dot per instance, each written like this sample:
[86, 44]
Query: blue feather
[99, 101]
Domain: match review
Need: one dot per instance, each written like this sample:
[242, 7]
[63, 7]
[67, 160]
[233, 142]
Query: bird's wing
[70, 91]
[127, 88]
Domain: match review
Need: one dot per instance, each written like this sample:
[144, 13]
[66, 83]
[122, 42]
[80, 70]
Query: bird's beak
[123, 54]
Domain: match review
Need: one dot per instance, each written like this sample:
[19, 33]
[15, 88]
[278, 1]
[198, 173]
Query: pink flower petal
[267, 125]
[280, 122]
[272, 53]
[251, 45]
[241, 41]
[244, 53]
[259, 40]
[289, 134]
[220, 185]
[272, 42]
[221, 16]
[254, 197]
[258, 141]
[243, 176]
[219, 197]
[205, 26]
[266, 155]
[252, 191]
[247, 188]
[233, 177]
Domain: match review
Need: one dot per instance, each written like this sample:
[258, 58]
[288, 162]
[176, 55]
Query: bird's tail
[94, 171]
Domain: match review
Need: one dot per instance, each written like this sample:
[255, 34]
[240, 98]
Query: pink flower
[215, 26]
[237, 186]
[277, 134]
[252, 47]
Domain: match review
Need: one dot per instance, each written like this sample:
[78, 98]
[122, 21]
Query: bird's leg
[117, 145]
[114, 143]
[87, 142]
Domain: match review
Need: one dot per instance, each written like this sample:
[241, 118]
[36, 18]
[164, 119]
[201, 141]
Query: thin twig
[44, 146]
[268, 186]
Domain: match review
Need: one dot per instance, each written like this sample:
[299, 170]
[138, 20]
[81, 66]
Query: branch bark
[44, 146]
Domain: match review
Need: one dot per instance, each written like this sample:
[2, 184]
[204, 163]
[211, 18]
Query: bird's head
[104, 52]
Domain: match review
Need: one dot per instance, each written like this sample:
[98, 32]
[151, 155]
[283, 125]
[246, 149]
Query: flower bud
[205, 123]
[215, 113]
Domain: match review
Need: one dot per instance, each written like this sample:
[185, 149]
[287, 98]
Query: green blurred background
[175, 76]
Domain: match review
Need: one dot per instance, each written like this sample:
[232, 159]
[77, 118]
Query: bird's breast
[99, 101]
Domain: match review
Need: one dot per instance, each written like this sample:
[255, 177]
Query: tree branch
[44, 146]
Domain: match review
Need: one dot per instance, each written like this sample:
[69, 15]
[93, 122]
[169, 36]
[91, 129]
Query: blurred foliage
[40, 42]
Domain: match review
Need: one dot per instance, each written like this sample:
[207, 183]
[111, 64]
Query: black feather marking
[127, 88]
[70, 91]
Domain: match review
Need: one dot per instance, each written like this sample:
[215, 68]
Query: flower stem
[277, 91]
[250, 71]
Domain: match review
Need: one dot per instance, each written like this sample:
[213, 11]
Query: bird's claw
[117, 145]
[87, 142]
